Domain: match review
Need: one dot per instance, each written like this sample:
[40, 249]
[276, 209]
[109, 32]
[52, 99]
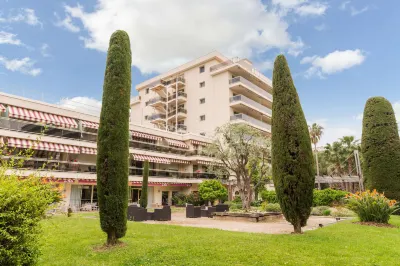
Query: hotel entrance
[134, 195]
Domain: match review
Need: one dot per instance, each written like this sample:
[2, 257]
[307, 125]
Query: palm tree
[316, 132]
[349, 145]
[336, 155]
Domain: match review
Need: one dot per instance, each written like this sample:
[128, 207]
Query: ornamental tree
[143, 196]
[380, 146]
[113, 139]
[211, 190]
[292, 158]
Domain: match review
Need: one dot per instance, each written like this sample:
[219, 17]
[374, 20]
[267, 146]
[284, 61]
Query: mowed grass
[76, 241]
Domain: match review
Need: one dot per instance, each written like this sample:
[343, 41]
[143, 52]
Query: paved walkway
[278, 227]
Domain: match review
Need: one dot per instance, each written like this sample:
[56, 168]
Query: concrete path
[278, 227]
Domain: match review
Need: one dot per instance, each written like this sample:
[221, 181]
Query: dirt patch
[376, 224]
[105, 247]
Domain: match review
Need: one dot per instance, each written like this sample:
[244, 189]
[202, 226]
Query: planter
[248, 217]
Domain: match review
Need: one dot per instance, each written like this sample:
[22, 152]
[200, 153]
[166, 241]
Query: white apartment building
[172, 118]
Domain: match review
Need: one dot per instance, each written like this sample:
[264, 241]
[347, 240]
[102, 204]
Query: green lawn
[73, 241]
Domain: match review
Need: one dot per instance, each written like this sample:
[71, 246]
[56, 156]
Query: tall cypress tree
[113, 139]
[143, 196]
[380, 147]
[292, 158]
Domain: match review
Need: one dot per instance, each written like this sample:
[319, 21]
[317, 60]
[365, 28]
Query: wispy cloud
[26, 15]
[82, 104]
[24, 65]
[320, 27]
[66, 23]
[343, 5]
[44, 50]
[9, 38]
[355, 12]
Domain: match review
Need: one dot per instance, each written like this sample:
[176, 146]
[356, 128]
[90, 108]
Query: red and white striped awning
[208, 163]
[179, 161]
[177, 143]
[196, 142]
[88, 150]
[144, 135]
[37, 116]
[2, 108]
[151, 159]
[89, 124]
[42, 145]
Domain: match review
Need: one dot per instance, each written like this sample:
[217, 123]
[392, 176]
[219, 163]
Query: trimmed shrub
[145, 181]
[234, 205]
[371, 206]
[380, 147]
[269, 196]
[271, 207]
[292, 157]
[328, 197]
[342, 212]
[113, 139]
[211, 190]
[319, 211]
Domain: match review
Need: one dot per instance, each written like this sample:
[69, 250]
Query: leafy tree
[260, 175]
[340, 155]
[292, 158]
[143, 196]
[113, 139]
[241, 150]
[316, 132]
[380, 147]
[350, 144]
[211, 190]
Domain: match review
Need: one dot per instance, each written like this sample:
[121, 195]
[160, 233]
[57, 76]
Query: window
[202, 117]
[203, 133]
[202, 69]
[147, 91]
[202, 84]
[202, 100]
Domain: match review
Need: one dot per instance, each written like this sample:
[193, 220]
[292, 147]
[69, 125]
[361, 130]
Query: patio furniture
[193, 211]
[150, 216]
[207, 212]
[222, 208]
[136, 213]
[163, 214]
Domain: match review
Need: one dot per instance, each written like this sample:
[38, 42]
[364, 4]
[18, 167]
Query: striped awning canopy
[89, 124]
[208, 163]
[196, 142]
[151, 159]
[88, 150]
[177, 143]
[42, 145]
[179, 161]
[37, 116]
[2, 108]
[144, 135]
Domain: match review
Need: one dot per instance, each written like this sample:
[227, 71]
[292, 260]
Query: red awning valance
[88, 150]
[2, 108]
[144, 135]
[196, 142]
[177, 143]
[42, 145]
[37, 116]
[151, 159]
[89, 124]
[179, 161]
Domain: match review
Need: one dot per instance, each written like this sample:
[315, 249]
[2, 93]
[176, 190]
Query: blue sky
[340, 52]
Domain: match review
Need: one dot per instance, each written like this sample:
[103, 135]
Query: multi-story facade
[172, 118]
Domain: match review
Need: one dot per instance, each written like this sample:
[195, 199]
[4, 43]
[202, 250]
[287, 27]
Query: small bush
[237, 199]
[371, 206]
[342, 212]
[271, 207]
[234, 205]
[256, 203]
[326, 213]
[328, 197]
[319, 211]
[269, 196]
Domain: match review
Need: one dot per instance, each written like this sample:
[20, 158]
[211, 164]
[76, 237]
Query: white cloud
[396, 108]
[66, 23]
[82, 104]
[24, 65]
[355, 12]
[334, 62]
[301, 7]
[165, 34]
[315, 9]
[265, 65]
[320, 27]
[333, 130]
[9, 38]
[44, 50]
[343, 5]
[26, 15]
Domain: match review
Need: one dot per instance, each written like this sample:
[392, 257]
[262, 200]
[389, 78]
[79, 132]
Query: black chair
[150, 216]
[192, 211]
[222, 208]
[136, 213]
[163, 214]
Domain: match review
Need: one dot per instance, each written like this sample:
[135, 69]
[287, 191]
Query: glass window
[202, 84]
[202, 100]
[202, 69]
[202, 117]
[147, 91]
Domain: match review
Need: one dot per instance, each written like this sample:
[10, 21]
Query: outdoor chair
[207, 211]
[150, 216]
[163, 214]
[192, 211]
[222, 208]
[136, 213]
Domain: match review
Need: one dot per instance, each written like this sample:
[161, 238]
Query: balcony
[240, 85]
[156, 118]
[180, 98]
[180, 129]
[181, 113]
[240, 118]
[178, 82]
[246, 105]
[243, 68]
[159, 87]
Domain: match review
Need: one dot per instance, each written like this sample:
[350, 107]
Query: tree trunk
[297, 228]
[111, 238]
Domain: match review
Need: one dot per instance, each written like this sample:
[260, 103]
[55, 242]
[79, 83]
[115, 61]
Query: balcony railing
[180, 110]
[252, 86]
[156, 116]
[180, 94]
[172, 81]
[155, 99]
[251, 120]
[250, 102]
